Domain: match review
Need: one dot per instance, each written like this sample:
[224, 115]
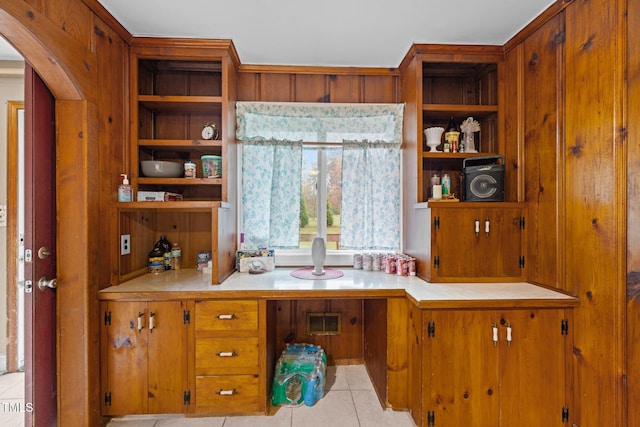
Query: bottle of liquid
[452, 135]
[156, 261]
[125, 191]
[165, 246]
[176, 257]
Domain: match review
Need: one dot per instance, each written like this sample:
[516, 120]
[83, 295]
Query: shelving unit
[177, 87]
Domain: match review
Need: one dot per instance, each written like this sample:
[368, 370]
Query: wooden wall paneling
[513, 111]
[344, 88]
[248, 86]
[311, 88]
[543, 59]
[73, 20]
[594, 191]
[276, 87]
[380, 89]
[633, 215]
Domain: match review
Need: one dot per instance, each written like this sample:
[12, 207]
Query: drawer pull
[227, 354]
[140, 322]
[226, 316]
[227, 392]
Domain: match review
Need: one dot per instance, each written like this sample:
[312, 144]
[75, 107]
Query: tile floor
[12, 400]
[349, 401]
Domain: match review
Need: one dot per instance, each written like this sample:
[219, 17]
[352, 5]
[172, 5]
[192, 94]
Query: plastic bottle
[176, 257]
[156, 261]
[165, 246]
[125, 191]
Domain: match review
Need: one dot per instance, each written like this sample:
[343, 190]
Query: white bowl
[160, 169]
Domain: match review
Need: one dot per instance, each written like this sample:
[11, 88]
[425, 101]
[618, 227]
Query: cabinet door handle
[140, 321]
[227, 354]
[495, 334]
[226, 316]
[152, 317]
[486, 226]
[477, 226]
[227, 392]
[508, 333]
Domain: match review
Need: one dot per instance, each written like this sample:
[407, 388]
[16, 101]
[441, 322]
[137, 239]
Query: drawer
[226, 315]
[227, 356]
[227, 394]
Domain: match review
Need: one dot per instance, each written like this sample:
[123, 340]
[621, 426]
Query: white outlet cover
[125, 244]
[3, 215]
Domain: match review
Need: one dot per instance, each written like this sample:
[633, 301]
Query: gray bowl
[160, 169]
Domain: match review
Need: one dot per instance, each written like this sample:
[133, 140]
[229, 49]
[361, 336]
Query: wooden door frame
[12, 232]
[71, 74]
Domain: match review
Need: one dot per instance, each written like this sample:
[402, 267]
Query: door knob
[44, 283]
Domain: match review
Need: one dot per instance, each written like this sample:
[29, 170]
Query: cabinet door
[124, 358]
[166, 357]
[143, 357]
[462, 383]
[477, 243]
[532, 368]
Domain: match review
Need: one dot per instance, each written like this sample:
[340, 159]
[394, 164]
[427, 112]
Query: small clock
[210, 131]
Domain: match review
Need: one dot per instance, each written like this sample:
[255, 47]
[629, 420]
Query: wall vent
[324, 323]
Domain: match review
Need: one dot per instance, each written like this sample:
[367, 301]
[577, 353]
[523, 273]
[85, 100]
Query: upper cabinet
[443, 82]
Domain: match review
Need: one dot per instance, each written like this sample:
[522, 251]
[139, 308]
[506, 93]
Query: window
[320, 169]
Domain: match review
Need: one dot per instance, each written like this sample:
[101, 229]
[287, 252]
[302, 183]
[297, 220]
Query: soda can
[357, 261]
[376, 262]
[401, 266]
[367, 262]
[412, 266]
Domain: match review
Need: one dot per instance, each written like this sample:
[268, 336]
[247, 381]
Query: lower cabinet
[144, 357]
[494, 368]
[228, 363]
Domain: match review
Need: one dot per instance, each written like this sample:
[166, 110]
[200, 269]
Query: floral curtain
[272, 134]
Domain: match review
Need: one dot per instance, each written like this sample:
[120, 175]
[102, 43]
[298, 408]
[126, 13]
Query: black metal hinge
[564, 327]
[436, 261]
[436, 222]
[431, 329]
[187, 397]
[431, 418]
[565, 414]
[107, 318]
[521, 261]
[107, 399]
[186, 317]
[522, 223]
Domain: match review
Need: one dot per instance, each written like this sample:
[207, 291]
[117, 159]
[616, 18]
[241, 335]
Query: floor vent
[323, 323]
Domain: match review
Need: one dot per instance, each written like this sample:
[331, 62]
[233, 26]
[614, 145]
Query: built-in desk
[386, 325]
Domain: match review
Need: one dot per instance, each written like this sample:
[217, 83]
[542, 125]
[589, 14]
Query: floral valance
[319, 122]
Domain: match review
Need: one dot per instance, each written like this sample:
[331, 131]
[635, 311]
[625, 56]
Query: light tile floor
[12, 400]
[349, 401]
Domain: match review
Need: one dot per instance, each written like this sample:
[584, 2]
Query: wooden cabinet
[473, 242]
[144, 357]
[229, 360]
[495, 367]
[177, 87]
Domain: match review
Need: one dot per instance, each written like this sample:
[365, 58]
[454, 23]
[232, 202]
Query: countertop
[279, 284]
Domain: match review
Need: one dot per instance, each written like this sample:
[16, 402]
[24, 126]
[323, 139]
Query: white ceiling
[358, 33]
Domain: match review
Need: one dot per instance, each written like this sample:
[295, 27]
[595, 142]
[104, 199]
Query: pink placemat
[306, 273]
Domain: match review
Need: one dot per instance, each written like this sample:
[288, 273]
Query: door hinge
[107, 318]
[521, 223]
[186, 317]
[431, 418]
[565, 414]
[564, 327]
[107, 399]
[521, 261]
[187, 397]
[431, 329]
[436, 261]
[436, 222]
